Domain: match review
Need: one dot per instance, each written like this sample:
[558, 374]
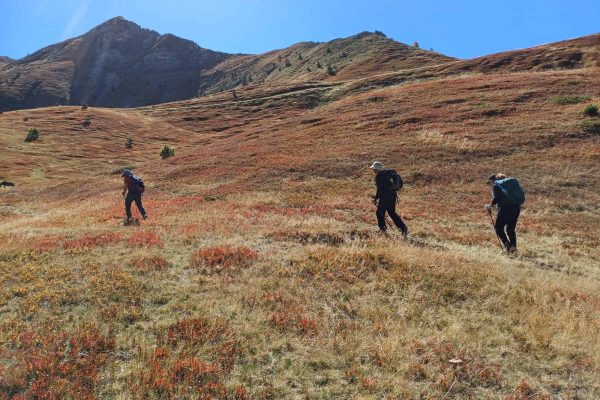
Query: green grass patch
[569, 99]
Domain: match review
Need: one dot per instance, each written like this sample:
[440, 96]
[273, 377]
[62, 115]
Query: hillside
[5, 60]
[357, 56]
[260, 274]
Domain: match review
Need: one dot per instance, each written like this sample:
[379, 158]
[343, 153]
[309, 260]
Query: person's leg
[128, 201]
[391, 210]
[511, 227]
[499, 226]
[138, 203]
[381, 215]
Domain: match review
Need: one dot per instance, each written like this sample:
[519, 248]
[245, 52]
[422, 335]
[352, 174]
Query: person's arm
[378, 183]
[496, 193]
[124, 186]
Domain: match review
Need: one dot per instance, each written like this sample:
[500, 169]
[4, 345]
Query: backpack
[512, 190]
[395, 180]
[138, 182]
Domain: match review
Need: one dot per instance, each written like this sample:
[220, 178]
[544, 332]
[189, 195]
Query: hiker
[134, 187]
[387, 182]
[508, 196]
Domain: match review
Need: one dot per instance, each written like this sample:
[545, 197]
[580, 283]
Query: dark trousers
[131, 197]
[388, 205]
[507, 219]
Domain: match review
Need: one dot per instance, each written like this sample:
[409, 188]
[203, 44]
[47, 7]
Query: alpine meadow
[260, 272]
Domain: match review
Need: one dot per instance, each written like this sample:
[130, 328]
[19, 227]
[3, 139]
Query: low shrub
[591, 127]
[591, 110]
[167, 152]
[150, 263]
[84, 106]
[214, 260]
[32, 135]
[129, 143]
[145, 239]
[87, 122]
[569, 99]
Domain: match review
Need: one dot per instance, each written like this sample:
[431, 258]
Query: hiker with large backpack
[134, 187]
[508, 196]
[388, 182]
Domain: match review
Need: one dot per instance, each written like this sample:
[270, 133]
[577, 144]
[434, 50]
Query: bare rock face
[116, 64]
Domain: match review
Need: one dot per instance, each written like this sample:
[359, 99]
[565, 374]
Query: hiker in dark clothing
[134, 187]
[508, 213]
[385, 200]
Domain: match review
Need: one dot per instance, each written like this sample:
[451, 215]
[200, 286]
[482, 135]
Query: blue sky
[457, 28]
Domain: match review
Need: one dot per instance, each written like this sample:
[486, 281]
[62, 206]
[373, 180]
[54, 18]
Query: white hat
[377, 166]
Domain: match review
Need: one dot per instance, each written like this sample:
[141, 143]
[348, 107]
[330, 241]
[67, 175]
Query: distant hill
[116, 64]
[5, 60]
[357, 56]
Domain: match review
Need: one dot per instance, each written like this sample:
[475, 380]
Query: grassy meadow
[260, 273]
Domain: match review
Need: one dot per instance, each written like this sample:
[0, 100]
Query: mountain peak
[116, 23]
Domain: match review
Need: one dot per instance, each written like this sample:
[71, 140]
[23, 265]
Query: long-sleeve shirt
[384, 189]
[498, 196]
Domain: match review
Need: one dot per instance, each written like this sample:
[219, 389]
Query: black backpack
[137, 181]
[394, 179]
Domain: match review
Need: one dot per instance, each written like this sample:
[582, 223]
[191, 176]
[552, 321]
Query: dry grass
[259, 274]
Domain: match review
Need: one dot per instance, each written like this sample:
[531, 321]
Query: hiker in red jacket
[133, 187]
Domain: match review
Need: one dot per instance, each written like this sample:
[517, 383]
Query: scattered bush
[148, 239]
[84, 106]
[591, 110]
[167, 152]
[93, 240]
[416, 44]
[328, 50]
[319, 64]
[214, 260]
[569, 99]
[25, 119]
[32, 135]
[299, 56]
[129, 143]
[330, 70]
[150, 263]
[288, 63]
[591, 127]
[87, 122]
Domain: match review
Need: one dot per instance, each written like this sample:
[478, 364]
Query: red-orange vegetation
[293, 320]
[175, 368]
[145, 239]
[52, 365]
[150, 263]
[93, 240]
[214, 260]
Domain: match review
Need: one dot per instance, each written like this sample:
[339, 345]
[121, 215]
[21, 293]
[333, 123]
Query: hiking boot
[511, 250]
[145, 216]
[405, 233]
[382, 232]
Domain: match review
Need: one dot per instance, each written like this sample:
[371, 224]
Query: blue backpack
[512, 190]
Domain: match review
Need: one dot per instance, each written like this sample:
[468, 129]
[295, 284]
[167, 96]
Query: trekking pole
[494, 227]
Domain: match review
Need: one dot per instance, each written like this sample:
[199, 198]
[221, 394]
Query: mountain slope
[357, 56]
[116, 64]
[5, 60]
[260, 271]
